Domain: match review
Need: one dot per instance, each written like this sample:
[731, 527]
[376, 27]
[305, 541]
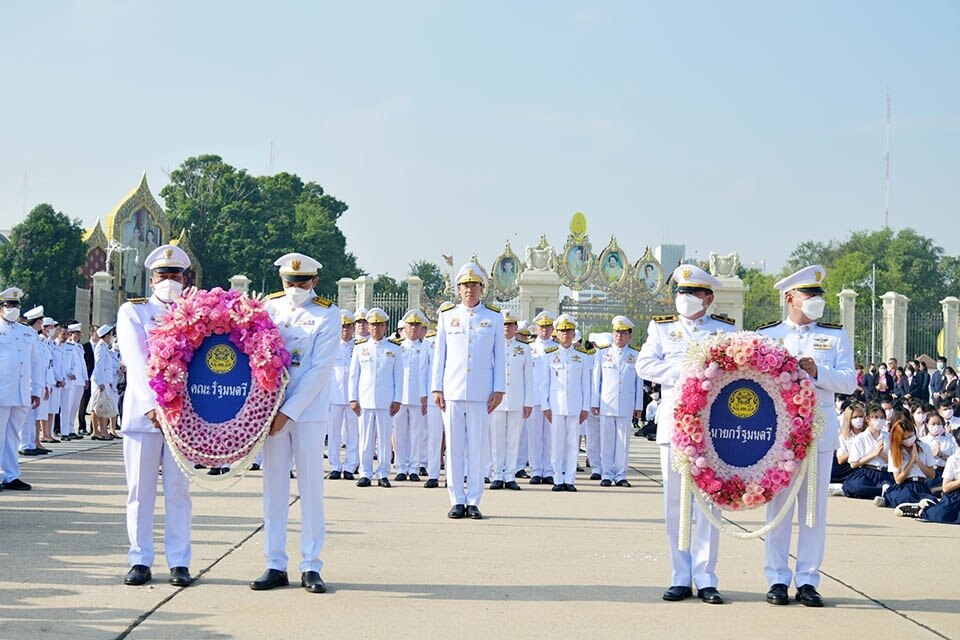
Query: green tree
[387, 285]
[432, 277]
[761, 301]
[43, 258]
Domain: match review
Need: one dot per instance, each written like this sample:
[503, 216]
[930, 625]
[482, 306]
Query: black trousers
[82, 413]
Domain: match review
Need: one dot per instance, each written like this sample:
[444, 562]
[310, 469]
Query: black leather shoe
[254, 467]
[623, 483]
[536, 480]
[271, 579]
[383, 482]
[547, 479]
[17, 485]
[710, 595]
[559, 487]
[569, 487]
[677, 593]
[363, 482]
[423, 471]
[413, 477]
[496, 484]
[312, 582]
[139, 574]
[334, 475]
[474, 513]
[512, 485]
[29, 452]
[347, 475]
[431, 483]
[458, 511]
[521, 474]
[400, 477]
[180, 577]
[807, 596]
[594, 476]
[778, 594]
[606, 483]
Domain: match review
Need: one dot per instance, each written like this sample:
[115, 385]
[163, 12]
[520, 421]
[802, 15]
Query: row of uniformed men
[45, 377]
[552, 388]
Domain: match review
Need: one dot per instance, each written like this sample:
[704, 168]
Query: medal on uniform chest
[485, 323]
[455, 322]
[575, 358]
[295, 356]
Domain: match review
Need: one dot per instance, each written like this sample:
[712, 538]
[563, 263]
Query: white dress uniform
[618, 393]
[22, 380]
[343, 421]
[569, 394]
[661, 361]
[414, 387]
[538, 429]
[311, 333]
[104, 371]
[73, 389]
[507, 420]
[468, 367]
[144, 448]
[376, 379]
[28, 428]
[830, 348]
[56, 351]
[432, 443]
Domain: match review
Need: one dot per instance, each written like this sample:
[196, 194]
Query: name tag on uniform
[389, 354]
[486, 323]
[518, 351]
[295, 357]
[630, 360]
[307, 322]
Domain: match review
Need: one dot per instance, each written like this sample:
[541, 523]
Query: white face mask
[889, 413]
[168, 290]
[296, 295]
[813, 307]
[11, 314]
[908, 442]
[946, 415]
[688, 305]
[877, 424]
[856, 423]
[919, 417]
[935, 429]
[940, 366]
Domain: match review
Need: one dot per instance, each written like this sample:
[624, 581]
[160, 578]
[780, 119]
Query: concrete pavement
[591, 564]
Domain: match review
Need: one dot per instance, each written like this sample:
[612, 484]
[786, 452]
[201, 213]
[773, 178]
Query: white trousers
[539, 443]
[505, 429]
[408, 427]
[28, 428]
[343, 430]
[593, 443]
[11, 419]
[374, 429]
[566, 447]
[434, 433]
[54, 402]
[301, 442]
[467, 429]
[143, 455]
[522, 447]
[614, 445]
[810, 541]
[697, 565]
[69, 406]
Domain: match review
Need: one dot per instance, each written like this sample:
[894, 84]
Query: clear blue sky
[726, 126]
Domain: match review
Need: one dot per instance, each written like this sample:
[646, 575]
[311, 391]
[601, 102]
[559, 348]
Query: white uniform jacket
[661, 358]
[519, 377]
[311, 333]
[570, 380]
[20, 361]
[617, 389]
[830, 348]
[376, 374]
[415, 372]
[340, 378]
[468, 360]
[135, 319]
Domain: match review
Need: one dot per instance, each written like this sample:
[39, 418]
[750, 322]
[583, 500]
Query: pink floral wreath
[710, 365]
[198, 315]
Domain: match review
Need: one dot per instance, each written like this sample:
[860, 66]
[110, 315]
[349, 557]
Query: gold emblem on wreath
[743, 402]
[221, 359]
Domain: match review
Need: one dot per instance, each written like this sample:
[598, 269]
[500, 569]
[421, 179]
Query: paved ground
[542, 564]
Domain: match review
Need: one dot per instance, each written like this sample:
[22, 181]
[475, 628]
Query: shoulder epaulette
[722, 318]
[551, 349]
[829, 325]
[768, 325]
[580, 348]
[492, 307]
[275, 295]
[136, 300]
[396, 341]
[360, 341]
[663, 319]
[446, 306]
[432, 333]
[603, 346]
[323, 302]
[592, 351]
